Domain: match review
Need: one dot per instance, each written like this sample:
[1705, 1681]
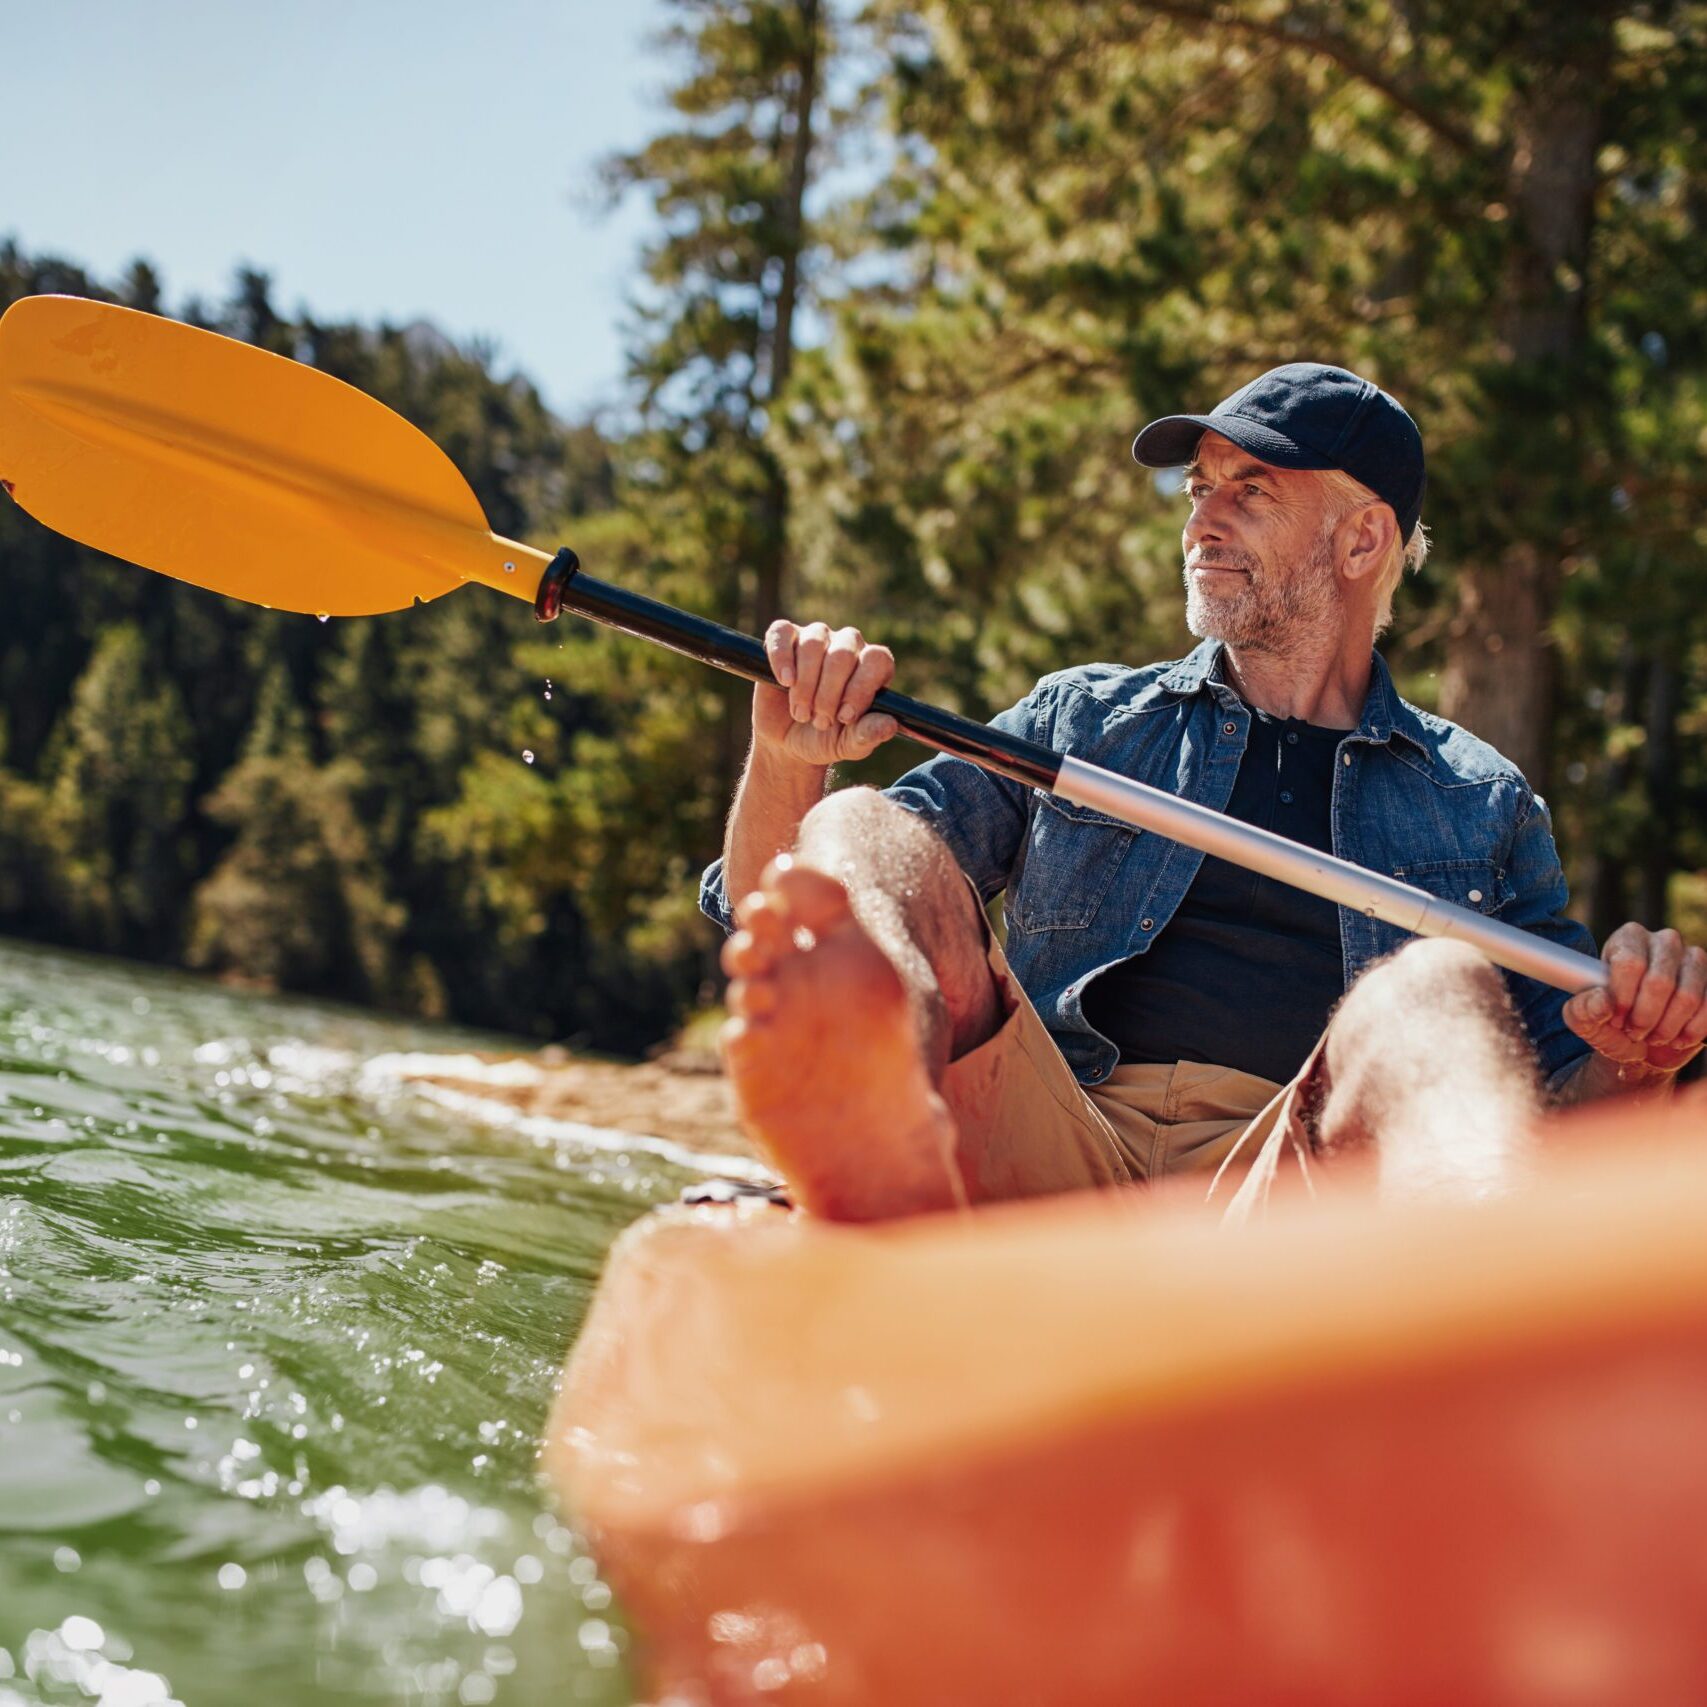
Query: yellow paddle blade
[232, 468]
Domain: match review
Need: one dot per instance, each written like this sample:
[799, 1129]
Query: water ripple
[277, 1338]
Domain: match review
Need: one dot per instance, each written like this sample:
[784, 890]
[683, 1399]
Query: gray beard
[1266, 615]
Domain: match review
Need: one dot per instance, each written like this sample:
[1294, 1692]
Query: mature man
[1157, 1011]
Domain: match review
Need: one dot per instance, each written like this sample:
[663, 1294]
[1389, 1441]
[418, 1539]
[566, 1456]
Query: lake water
[278, 1334]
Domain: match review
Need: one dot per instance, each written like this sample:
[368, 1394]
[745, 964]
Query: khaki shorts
[1028, 1127]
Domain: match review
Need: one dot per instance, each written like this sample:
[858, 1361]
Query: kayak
[1101, 1449]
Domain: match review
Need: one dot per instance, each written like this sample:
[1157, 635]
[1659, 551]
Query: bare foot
[829, 1077]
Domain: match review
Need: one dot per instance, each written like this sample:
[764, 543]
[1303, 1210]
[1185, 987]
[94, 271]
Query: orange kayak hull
[1090, 1451]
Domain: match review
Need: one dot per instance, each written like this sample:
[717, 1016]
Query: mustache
[1222, 557]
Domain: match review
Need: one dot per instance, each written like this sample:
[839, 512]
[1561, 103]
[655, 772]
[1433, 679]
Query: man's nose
[1204, 526]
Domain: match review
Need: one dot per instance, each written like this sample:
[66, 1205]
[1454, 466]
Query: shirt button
[1345, 758]
[1475, 894]
[1292, 737]
[1146, 924]
[1286, 797]
[1229, 729]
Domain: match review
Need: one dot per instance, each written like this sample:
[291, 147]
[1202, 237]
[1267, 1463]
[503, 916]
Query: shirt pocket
[1477, 885]
[1072, 856]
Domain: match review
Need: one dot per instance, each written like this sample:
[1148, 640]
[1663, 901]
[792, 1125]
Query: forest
[917, 274]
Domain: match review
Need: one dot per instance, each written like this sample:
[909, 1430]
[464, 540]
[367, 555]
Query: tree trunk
[1498, 674]
[1609, 863]
[772, 566]
[1659, 768]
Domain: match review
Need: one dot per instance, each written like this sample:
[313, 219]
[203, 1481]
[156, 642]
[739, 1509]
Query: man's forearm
[1600, 1077]
[771, 801]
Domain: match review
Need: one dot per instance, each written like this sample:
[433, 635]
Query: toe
[812, 900]
[735, 1043]
[752, 998]
[753, 952]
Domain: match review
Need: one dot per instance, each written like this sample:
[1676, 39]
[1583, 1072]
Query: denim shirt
[1414, 796]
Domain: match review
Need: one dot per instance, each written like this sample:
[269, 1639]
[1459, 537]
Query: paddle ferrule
[566, 587]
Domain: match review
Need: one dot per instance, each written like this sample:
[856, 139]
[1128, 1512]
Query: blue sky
[397, 158]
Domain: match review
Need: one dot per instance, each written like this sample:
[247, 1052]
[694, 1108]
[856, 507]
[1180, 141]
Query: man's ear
[1366, 536]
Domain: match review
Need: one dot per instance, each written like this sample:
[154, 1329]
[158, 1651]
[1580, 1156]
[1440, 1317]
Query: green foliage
[121, 774]
[262, 795]
[918, 272]
[299, 900]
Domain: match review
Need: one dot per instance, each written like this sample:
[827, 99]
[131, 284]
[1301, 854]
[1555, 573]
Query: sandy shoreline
[682, 1097]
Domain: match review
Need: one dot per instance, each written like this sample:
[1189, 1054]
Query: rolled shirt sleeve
[982, 817]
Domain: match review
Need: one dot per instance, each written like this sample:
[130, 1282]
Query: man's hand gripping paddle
[256, 477]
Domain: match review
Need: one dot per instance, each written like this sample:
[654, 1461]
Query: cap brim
[1172, 442]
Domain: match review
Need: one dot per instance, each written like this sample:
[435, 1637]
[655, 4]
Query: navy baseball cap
[1307, 415]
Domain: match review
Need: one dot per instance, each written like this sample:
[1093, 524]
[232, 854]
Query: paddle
[250, 475]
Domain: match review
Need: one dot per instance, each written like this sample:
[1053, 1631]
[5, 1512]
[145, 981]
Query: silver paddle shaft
[1334, 879]
[566, 587]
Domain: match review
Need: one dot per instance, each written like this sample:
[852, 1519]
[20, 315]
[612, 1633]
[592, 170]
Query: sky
[396, 159]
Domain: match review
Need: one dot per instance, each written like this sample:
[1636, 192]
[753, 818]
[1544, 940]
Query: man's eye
[1196, 489]
[1252, 491]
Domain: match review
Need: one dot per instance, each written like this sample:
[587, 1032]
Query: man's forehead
[1232, 462]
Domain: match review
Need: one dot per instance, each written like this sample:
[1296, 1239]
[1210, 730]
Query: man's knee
[864, 837]
[1428, 975]
[1418, 1009]
[908, 890]
[856, 814]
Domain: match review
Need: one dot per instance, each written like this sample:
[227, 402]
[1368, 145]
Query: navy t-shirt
[1248, 969]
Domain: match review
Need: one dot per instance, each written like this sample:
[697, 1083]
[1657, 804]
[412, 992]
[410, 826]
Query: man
[1156, 1011]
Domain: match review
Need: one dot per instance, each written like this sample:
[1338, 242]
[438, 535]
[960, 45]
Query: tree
[121, 776]
[704, 513]
[1102, 212]
[299, 899]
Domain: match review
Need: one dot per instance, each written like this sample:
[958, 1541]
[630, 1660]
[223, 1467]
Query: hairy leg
[909, 896]
[1427, 1060]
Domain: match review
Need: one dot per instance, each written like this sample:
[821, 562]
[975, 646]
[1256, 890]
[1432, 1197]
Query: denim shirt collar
[1384, 713]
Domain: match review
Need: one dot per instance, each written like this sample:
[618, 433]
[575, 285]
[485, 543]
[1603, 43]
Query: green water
[277, 1338]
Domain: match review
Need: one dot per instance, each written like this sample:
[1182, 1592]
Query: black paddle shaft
[564, 587]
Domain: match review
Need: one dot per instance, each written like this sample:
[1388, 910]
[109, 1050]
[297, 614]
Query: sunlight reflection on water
[278, 1337]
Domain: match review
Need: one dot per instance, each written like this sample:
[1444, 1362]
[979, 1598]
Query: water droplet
[527, 755]
[81, 1635]
[322, 616]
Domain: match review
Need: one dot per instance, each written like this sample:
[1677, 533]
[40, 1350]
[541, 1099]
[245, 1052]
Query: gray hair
[1346, 495]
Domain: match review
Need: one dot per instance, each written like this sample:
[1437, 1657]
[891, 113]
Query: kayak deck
[1098, 1449]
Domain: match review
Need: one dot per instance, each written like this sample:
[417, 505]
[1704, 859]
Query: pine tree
[121, 778]
[298, 901]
